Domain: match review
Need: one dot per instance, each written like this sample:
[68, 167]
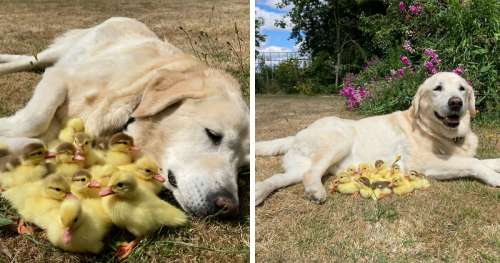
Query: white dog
[433, 137]
[118, 76]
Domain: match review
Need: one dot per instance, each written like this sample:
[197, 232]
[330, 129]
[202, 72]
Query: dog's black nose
[226, 204]
[455, 103]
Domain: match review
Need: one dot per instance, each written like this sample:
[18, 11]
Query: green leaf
[5, 221]
[485, 68]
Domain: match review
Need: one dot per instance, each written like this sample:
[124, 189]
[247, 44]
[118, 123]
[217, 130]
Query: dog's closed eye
[214, 136]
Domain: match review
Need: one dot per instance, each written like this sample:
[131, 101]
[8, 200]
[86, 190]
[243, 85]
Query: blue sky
[276, 38]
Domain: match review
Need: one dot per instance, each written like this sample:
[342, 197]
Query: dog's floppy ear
[166, 88]
[415, 104]
[472, 101]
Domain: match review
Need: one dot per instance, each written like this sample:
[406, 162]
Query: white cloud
[273, 4]
[275, 49]
[270, 18]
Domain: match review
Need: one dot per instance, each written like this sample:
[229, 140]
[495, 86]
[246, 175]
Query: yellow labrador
[118, 76]
[433, 137]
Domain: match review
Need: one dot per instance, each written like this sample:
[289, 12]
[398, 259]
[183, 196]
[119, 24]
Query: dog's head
[196, 124]
[444, 103]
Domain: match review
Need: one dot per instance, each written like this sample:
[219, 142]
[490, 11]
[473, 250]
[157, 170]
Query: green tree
[259, 36]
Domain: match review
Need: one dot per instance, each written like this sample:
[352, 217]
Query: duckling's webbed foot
[124, 249]
[23, 228]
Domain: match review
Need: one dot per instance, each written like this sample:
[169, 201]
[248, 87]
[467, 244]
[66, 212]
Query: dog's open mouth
[452, 120]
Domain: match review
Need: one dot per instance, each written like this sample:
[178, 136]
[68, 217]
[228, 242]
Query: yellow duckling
[366, 169]
[381, 189]
[77, 228]
[84, 151]
[66, 164]
[365, 189]
[348, 188]
[121, 150]
[147, 173]
[418, 180]
[136, 209]
[102, 173]
[83, 186]
[29, 167]
[382, 170]
[402, 185]
[38, 201]
[352, 171]
[72, 127]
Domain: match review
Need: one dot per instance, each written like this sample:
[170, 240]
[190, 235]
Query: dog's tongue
[67, 236]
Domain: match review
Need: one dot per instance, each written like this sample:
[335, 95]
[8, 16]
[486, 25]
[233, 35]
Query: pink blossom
[459, 71]
[402, 7]
[405, 60]
[430, 67]
[407, 46]
[431, 53]
[401, 72]
[415, 9]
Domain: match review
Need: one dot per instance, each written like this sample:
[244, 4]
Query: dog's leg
[321, 160]
[35, 117]
[493, 164]
[457, 167]
[15, 145]
[17, 63]
[4, 58]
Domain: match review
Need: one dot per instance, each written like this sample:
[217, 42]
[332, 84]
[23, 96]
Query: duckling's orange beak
[94, 184]
[67, 236]
[50, 155]
[79, 156]
[159, 178]
[106, 191]
[135, 149]
[70, 196]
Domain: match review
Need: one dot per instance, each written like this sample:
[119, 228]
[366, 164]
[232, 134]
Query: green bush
[462, 35]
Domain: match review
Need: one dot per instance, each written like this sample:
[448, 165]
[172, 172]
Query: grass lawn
[215, 31]
[454, 221]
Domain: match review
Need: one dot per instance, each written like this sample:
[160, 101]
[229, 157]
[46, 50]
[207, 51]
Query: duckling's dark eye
[83, 180]
[57, 189]
[74, 221]
[461, 88]
[438, 88]
[215, 137]
[86, 143]
[119, 184]
[148, 171]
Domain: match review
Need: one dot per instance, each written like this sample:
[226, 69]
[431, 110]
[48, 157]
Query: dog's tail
[274, 147]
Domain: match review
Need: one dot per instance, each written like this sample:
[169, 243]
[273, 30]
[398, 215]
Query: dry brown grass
[28, 26]
[455, 221]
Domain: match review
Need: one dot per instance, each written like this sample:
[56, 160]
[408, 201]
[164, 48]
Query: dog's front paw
[493, 179]
[317, 196]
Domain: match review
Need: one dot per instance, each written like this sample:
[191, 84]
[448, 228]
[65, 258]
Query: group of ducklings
[378, 181]
[77, 192]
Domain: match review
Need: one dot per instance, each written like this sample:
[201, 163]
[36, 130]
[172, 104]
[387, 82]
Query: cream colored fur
[120, 69]
[425, 143]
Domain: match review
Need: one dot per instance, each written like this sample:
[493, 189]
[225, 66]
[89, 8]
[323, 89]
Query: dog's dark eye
[438, 88]
[215, 137]
[461, 88]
